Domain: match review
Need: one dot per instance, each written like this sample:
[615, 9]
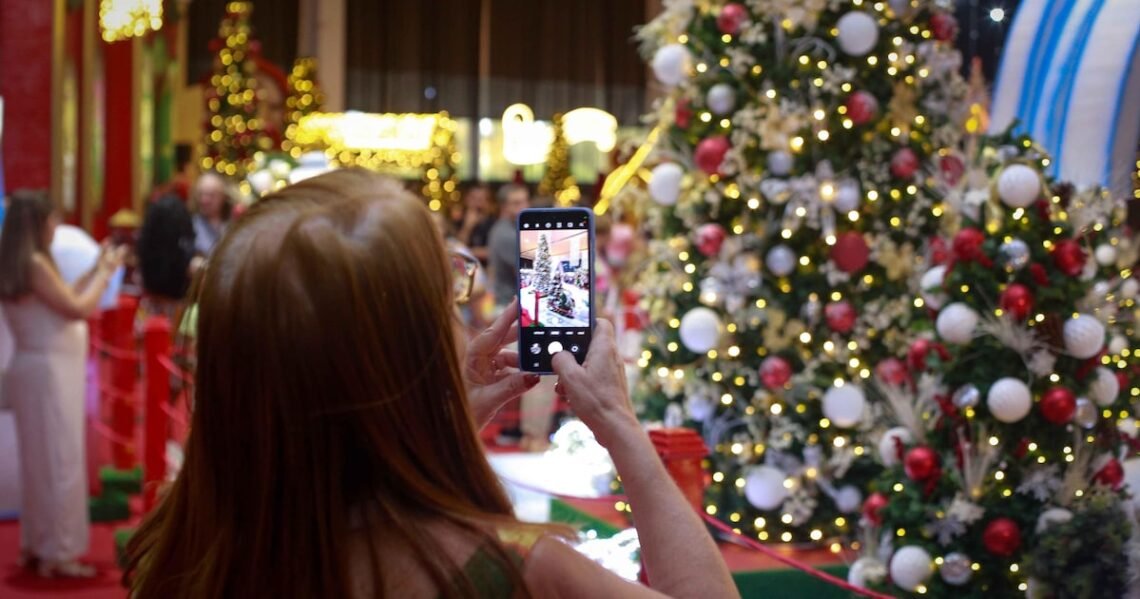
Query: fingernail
[532, 379]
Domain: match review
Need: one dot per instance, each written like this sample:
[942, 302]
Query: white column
[329, 47]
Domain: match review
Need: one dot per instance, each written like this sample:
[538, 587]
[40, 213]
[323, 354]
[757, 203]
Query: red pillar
[119, 336]
[121, 154]
[156, 343]
[26, 46]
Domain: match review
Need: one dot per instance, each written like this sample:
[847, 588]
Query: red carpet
[16, 583]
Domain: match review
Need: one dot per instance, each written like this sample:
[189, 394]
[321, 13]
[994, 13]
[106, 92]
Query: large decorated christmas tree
[797, 181]
[1003, 440]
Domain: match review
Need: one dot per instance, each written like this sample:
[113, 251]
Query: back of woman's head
[328, 383]
[25, 222]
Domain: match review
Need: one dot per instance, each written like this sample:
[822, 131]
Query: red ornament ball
[710, 153]
[918, 355]
[873, 508]
[944, 26]
[921, 463]
[1069, 257]
[939, 251]
[850, 252]
[731, 17]
[1040, 276]
[1111, 474]
[1017, 300]
[968, 244]
[892, 371]
[862, 107]
[952, 168]
[904, 164]
[683, 114]
[775, 372]
[1002, 537]
[1058, 405]
[840, 316]
[710, 237]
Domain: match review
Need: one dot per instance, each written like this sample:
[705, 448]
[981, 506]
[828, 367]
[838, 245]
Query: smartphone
[555, 285]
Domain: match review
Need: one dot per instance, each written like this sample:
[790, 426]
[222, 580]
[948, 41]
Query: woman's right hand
[597, 388]
[112, 257]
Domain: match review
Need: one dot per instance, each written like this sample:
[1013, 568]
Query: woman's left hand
[492, 372]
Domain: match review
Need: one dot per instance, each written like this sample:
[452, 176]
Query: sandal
[69, 569]
[28, 560]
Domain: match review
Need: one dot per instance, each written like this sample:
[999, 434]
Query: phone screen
[556, 283]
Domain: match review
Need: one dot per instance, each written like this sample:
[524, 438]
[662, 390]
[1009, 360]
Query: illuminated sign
[360, 131]
[121, 19]
[527, 141]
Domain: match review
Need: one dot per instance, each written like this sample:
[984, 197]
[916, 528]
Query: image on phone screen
[555, 285]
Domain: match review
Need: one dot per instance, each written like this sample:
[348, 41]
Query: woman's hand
[491, 372]
[111, 257]
[597, 389]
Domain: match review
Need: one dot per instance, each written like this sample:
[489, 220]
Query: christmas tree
[794, 193]
[1003, 476]
[560, 300]
[304, 98]
[557, 181]
[542, 276]
[233, 133]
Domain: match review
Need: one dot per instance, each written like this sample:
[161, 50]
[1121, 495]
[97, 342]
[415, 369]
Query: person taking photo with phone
[333, 448]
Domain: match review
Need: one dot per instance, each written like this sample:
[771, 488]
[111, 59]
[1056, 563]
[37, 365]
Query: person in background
[166, 255]
[478, 218]
[502, 244]
[213, 205]
[44, 384]
[365, 477]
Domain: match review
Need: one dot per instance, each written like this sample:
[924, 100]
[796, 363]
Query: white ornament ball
[279, 168]
[764, 487]
[665, 183]
[844, 406]
[848, 499]
[671, 64]
[956, 323]
[779, 163]
[847, 197]
[781, 260]
[911, 566]
[1117, 344]
[888, 445]
[1128, 427]
[1105, 387]
[1105, 254]
[931, 287]
[1130, 288]
[700, 330]
[261, 181]
[858, 33]
[699, 407]
[866, 571]
[721, 99]
[1009, 400]
[1051, 516]
[1084, 336]
[1019, 186]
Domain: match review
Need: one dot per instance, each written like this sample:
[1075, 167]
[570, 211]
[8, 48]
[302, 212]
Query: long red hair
[328, 383]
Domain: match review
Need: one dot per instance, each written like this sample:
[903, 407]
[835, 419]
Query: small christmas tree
[561, 301]
[1002, 454]
[233, 133]
[304, 98]
[557, 181]
[542, 274]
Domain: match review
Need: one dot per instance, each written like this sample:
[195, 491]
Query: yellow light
[710, 510]
[733, 351]
[1013, 568]
[726, 38]
[776, 409]
[122, 19]
[786, 537]
[816, 534]
[797, 143]
[900, 532]
[706, 117]
[739, 483]
[672, 346]
[823, 135]
[718, 477]
[702, 67]
[726, 399]
[872, 60]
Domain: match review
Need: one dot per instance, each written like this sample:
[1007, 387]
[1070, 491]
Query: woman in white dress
[44, 384]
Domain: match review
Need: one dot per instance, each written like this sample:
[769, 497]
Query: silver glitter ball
[967, 396]
[811, 312]
[955, 569]
[1014, 254]
[1086, 415]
